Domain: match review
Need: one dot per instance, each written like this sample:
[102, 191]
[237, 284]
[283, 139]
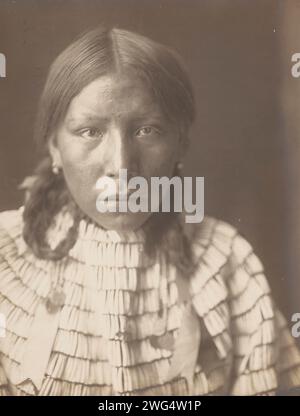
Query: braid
[165, 231]
[46, 197]
[178, 248]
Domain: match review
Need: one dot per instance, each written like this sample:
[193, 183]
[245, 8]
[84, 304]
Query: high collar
[98, 246]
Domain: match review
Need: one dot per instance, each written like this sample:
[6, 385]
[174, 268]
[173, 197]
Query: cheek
[72, 154]
[80, 172]
[77, 157]
[160, 161]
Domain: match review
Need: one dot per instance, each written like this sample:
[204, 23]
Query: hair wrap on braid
[46, 197]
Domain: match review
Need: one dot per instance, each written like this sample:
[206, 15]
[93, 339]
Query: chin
[121, 221]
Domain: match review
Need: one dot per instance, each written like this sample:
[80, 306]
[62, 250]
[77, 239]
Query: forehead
[117, 95]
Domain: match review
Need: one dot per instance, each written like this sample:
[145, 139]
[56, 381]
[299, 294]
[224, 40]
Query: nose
[121, 154]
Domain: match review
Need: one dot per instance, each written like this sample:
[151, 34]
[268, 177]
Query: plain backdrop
[232, 51]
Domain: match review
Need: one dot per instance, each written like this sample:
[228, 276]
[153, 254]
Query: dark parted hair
[93, 54]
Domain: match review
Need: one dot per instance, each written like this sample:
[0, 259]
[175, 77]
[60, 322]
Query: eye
[147, 131]
[91, 133]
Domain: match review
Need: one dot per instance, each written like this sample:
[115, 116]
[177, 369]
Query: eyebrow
[94, 117]
[85, 118]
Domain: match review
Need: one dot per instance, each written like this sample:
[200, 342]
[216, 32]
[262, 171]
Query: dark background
[232, 52]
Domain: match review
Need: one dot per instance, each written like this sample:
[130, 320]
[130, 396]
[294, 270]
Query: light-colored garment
[122, 317]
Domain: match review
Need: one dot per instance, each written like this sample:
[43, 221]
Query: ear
[184, 143]
[183, 147]
[54, 151]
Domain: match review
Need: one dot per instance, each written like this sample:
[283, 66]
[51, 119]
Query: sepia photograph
[149, 198]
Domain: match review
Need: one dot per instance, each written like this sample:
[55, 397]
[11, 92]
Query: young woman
[127, 303]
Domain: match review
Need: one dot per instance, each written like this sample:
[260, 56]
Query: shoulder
[227, 262]
[232, 295]
[12, 246]
[10, 217]
[11, 229]
[225, 251]
[223, 236]
[240, 302]
[228, 287]
[24, 280]
[18, 264]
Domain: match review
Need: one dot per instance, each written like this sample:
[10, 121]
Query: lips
[117, 197]
[121, 197]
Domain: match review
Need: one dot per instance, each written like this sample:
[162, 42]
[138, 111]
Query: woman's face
[114, 123]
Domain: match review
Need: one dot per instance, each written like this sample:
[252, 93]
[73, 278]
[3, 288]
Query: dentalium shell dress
[122, 323]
